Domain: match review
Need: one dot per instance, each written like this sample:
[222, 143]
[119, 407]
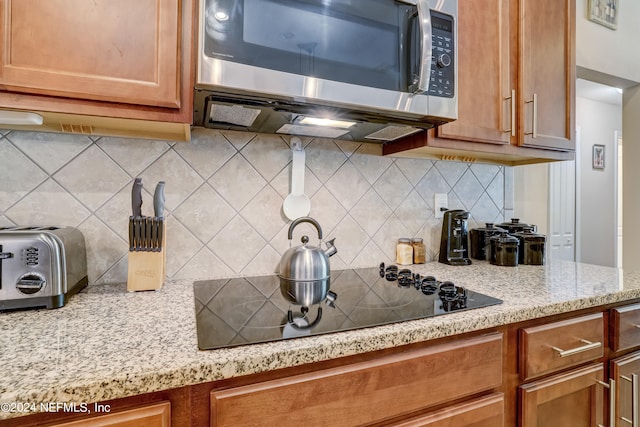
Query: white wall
[631, 179]
[601, 49]
[531, 199]
[598, 122]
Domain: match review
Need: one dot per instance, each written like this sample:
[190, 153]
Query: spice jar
[404, 252]
[419, 251]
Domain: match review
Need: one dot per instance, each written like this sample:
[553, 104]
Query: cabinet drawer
[559, 345]
[625, 327]
[483, 412]
[366, 392]
[158, 415]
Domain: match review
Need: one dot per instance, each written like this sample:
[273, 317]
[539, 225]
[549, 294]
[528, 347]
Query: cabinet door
[109, 50]
[158, 415]
[483, 412]
[485, 103]
[572, 399]
[547, 73]
[622, 370]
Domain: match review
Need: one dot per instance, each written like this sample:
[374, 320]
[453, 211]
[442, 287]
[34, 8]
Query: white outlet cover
[440, 201]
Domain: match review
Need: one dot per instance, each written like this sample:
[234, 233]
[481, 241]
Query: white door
[561, 242]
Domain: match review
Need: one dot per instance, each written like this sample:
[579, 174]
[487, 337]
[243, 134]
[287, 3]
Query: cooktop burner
[248, 310]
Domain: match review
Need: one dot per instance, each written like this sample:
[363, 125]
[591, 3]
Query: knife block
[146, 268]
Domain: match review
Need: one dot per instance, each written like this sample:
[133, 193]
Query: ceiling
[598, 92]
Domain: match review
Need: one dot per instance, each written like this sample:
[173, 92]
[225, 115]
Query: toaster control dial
[30, 283]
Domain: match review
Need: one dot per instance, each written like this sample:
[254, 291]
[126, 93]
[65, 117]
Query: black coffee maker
[454, 243]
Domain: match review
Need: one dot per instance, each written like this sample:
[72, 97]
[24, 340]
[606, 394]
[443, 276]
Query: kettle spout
[331, 249]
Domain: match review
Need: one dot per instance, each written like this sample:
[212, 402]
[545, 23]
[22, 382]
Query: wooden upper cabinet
[510, 52]
[498, 39]
[109, 50]
[484, 77]
[547, 73]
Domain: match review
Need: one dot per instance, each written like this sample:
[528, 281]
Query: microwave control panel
[442, 81]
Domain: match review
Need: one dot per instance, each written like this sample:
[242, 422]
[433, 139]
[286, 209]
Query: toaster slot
[3, 255]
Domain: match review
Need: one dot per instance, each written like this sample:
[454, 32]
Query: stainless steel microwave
[370, 70]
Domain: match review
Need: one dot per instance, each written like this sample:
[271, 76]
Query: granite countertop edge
[193, 366]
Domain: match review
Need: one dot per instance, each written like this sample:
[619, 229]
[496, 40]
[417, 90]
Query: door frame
[578, 239]
[617, 135]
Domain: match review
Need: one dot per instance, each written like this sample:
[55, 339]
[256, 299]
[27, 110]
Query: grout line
[431, 166]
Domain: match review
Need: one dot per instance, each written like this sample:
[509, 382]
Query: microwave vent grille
[391, 133]
[233, 114]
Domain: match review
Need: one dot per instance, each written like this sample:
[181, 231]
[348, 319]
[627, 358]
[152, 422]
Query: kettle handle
[301, 220]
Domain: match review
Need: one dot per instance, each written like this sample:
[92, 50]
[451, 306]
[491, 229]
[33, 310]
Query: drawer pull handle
[534, 130]
[612, 400]
[635, 393]
[512, 129]
[588, 346]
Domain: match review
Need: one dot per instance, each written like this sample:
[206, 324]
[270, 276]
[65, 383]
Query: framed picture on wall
[604, 12]
[598, 156]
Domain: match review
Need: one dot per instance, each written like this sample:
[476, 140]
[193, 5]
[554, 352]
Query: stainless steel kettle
[305, 273]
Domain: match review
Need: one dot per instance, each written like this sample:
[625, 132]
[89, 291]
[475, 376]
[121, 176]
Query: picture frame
[598, 156]
[604, 12]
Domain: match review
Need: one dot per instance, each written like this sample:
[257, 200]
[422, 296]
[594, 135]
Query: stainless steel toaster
[40, 267]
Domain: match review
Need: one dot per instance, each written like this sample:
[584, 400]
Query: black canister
[531, 247]
[504, 250]
[480, 240]
[515, 226]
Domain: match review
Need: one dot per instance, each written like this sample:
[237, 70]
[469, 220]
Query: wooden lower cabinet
[158, 415]
[624, 327]
[558, 345]
[367, 392]
[622, 370]
[483, 412]
[570, 399]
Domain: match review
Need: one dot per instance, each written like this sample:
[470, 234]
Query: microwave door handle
[424, 24]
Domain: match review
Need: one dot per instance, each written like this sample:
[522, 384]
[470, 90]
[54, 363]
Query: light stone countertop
[107, 343]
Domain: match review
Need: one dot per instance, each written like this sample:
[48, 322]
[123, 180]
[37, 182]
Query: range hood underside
[248, 113]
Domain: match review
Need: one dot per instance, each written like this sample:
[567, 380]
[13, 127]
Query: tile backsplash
[224, 194]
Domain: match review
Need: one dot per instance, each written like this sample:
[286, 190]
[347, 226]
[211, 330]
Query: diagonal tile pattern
[50, 151]
[224, 197]
[18, 175]
[95, 188]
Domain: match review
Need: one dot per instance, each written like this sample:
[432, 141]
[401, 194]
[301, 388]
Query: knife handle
[154, 234]
[160, 233]
[136, 197]
[158, 200]
[136, 232]
[148, 244]
[132, 228]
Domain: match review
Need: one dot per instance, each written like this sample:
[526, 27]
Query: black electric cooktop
[249, 310]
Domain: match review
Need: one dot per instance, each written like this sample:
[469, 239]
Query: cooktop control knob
[30, 283]
[444, 60]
